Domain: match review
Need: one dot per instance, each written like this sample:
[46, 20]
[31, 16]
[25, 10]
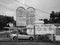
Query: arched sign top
[31, 9]
[20, 8]
[20, 11]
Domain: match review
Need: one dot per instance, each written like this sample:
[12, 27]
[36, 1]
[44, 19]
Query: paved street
[7, 41]
[25, 43]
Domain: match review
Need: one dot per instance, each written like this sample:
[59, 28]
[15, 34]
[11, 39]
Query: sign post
[20, 18]
[31, 18]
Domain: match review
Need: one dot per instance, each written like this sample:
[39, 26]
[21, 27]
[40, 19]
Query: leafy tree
[4, 20]
[46, 21]
[54, 17]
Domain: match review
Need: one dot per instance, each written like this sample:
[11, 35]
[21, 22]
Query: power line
[30, 6]
[42, 11]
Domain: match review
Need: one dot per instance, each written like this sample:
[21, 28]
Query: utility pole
[34, 34]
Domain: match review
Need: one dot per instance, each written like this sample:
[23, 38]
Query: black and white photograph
[29, 22]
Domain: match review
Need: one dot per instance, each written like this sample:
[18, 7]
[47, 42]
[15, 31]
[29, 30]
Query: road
[26, 43]
[7, 41]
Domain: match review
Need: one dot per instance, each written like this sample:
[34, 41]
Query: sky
[43, 7]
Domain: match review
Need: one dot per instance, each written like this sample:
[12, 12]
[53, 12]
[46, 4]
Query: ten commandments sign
[20, 16]
[30, 16]
[25, 16]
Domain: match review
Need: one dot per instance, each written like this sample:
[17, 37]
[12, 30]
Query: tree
[54, 17]
[4, 20]
[46, 21]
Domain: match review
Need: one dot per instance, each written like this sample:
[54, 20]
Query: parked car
[15, 36]
[43, 37]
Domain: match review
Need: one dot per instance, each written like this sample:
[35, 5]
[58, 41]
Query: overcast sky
[8, 7]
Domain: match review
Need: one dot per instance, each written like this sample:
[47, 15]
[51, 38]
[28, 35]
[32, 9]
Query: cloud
[7, 1]
[9, 6]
